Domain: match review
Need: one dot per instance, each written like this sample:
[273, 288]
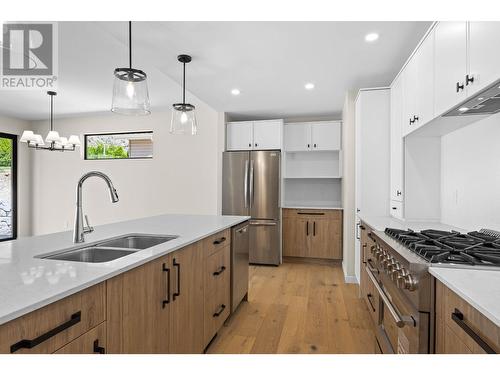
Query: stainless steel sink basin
[108, 250]
[95, 254]
[137, 241]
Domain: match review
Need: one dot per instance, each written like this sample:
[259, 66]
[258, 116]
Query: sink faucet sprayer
[80, 230]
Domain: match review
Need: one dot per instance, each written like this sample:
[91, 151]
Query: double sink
[110, 249]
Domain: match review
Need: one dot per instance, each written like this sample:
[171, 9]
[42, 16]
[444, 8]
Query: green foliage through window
[5, 152]
[102, 151]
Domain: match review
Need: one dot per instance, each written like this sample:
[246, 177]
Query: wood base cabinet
[460, 328]
[312, 233]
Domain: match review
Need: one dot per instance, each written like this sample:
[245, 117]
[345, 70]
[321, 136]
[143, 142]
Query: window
[131, 145]
[8, 187]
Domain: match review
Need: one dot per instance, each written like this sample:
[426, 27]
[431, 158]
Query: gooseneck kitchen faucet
[79, 229]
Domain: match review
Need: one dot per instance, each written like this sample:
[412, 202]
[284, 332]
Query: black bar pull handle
[307, 228]
[311, 213]
[469, 78]
[98, 349]
[314, 228]
[218, 241]
[369, 297]
[167, 300]
[458, 318]
[460, 86]
[29, 344]
[218, 312]
[222, 269]
[178, 293]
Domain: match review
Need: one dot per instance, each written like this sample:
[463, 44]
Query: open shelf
[300, 192]
[320, 164]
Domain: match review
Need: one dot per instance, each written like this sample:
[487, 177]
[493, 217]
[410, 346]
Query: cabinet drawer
[92, 342]
[51, 327]
[309, 213]
[471, 319]
[396, 209]
[217, 241]
[217, 307]
[218, 271]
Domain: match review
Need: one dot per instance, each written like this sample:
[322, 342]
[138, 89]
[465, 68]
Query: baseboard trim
[351, 280]
[328, 262]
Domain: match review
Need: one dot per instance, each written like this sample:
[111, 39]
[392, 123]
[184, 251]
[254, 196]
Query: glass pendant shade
[183, 119]
[130, 92]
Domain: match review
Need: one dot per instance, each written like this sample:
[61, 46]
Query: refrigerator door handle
[251, 183]
[245, 184]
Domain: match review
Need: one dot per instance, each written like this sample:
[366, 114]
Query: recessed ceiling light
[309, 86]
[463, 109]
[235, 92]
[371, 37]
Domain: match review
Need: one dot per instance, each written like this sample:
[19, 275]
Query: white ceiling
[268, 61]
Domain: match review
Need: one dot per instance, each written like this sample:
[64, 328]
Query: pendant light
[130, 89]
[53, 142]
[183, 114]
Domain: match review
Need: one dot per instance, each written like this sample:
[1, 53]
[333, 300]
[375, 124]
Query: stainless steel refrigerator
[251, 187]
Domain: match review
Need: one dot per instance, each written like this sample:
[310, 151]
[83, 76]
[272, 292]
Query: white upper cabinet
[424, 58]
[267, 135]
[396, 156]
[313, 136]
[484, 55]
[239, 135]
[254, 135]
[409, 102]
[450, 64]
[325, 136]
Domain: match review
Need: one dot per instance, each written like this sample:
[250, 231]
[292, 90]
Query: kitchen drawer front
[51, 327]
[217, 241]
[309, 213]
[396, 209]
[372, 299]
[217, 309]
[92, 342]
[218, 271]
[217, 293]
[471, 319]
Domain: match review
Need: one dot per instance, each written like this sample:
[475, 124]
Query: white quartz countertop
[480, 288]
[312, 207]
[379, 223]
[28, 283]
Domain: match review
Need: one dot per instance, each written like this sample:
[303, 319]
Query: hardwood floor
[298, 308]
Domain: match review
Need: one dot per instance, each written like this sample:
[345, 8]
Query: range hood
[486, 102]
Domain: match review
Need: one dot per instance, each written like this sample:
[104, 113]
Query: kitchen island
[28, 283]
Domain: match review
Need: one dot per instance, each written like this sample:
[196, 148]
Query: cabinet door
[325, 136]
[409, 77]
[267, 135]
[239, 135]
[397, 140]
[326, 239]
[138, 317]
[484, 55]
[425, 81]
[297, 137]
[296, 237]
[186, 307]
[450, 64]
[92, 342]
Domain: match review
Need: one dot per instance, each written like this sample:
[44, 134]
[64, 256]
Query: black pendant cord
[184, 84]
[51, 112]
[130, 44]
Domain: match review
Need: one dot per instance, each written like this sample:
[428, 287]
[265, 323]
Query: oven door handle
[401, 320]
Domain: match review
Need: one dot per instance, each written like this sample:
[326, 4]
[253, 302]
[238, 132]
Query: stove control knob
[394, 271]
[410, 283]
[400, 278]
[390, 263]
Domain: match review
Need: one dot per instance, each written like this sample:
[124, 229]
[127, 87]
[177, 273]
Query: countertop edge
[434, 271]
[57, 297]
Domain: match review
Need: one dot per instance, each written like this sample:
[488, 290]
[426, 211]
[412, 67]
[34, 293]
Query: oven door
[399, 328]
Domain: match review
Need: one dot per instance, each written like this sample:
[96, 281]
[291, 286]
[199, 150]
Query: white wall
[16, 126]
[182, 177]
[348, 184]
[470, 186]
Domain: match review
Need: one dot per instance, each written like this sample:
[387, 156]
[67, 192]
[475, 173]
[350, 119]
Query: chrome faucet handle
[88, 228]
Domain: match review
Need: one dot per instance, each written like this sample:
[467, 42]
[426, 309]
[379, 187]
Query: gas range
[480, 248]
